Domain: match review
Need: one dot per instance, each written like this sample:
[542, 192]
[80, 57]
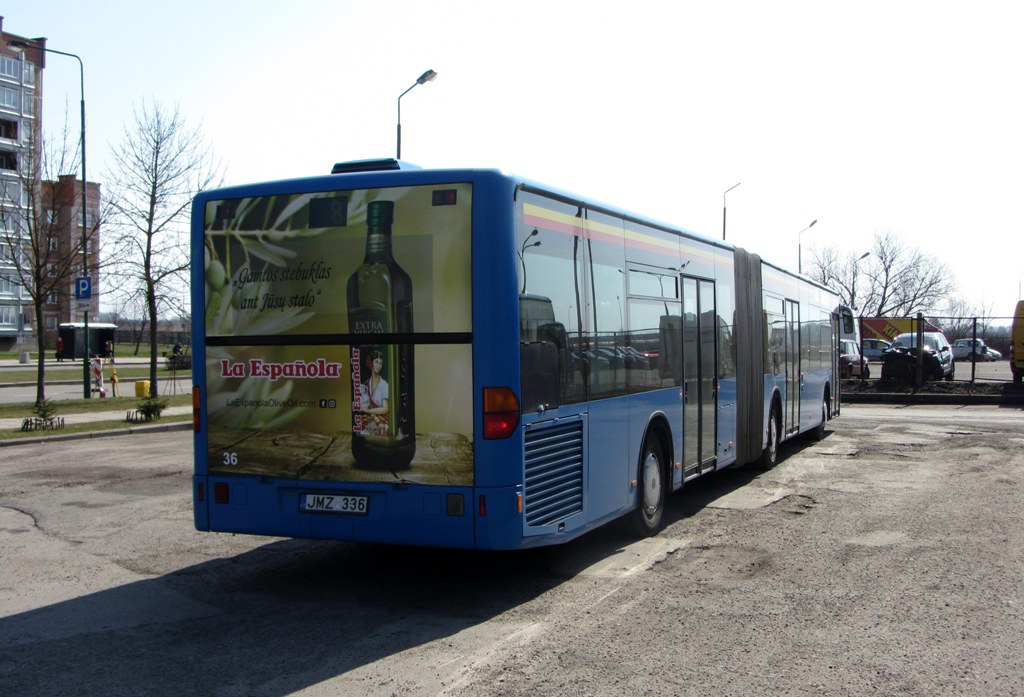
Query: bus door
[700, 376]
[792, 417]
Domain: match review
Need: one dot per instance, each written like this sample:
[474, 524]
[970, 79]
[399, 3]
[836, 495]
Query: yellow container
[142, 388]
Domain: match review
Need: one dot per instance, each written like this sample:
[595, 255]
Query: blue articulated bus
[464, 358]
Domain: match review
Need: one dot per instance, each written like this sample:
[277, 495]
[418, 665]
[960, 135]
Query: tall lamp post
[85, 198]
[799, 248]
[428, 76]
[723, 206]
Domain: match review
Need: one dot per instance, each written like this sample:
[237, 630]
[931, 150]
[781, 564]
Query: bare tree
[892, 281]
[34, 215]
[905, 282]
[843, 274]
[960, 319]
[159, 166]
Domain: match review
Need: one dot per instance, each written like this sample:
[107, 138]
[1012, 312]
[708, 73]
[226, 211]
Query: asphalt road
[885, 559]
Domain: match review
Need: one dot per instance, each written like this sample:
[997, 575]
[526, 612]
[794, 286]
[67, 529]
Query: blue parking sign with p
[83, 288]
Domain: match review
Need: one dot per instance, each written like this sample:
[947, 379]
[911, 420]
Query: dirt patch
[955, 387]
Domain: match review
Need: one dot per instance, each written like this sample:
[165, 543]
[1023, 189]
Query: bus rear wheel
[646, 519]
[770, 456]
[818, 432]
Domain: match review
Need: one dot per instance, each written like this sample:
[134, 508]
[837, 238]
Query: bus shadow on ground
[271, 621]
[294, 613]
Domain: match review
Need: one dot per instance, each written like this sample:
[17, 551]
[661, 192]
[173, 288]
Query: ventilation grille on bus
[554, 472]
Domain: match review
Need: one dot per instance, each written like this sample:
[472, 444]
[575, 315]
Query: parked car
[900, 361]
[874, 348]
[974, 350]
[851, 363]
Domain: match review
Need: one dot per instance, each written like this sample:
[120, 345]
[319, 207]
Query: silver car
[974, 350]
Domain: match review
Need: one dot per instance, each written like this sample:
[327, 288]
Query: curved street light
[428, 76]
[799, 247]
[723, 206]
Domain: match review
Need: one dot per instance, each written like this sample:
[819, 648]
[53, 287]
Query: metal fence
[987, 367]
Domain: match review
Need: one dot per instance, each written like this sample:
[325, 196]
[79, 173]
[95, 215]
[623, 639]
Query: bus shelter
[72, 335]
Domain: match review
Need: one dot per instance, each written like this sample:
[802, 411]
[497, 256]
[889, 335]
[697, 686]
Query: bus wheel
[646, 518]
[770, 456]
[818, 432]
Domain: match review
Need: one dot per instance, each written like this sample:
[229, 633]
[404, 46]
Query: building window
[8, 315]
[30, 73]
[8, 160]
[11, 193]
[8, 129]
[10, 98]
[9, 67]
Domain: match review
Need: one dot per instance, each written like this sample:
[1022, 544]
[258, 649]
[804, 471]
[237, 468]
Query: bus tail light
[501, 412]
[221, 493]
[195, 409]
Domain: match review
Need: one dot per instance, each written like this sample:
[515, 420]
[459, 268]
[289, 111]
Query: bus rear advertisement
[462, 358]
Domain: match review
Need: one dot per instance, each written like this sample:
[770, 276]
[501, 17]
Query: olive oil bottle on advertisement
[380, 302]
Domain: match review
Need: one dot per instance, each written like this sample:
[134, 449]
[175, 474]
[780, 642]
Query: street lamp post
[853, 278]
[85, 198]
[428, 76]
[799, 248]
[723, 206]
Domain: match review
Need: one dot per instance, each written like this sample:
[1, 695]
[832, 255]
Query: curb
[154, 428]
[924, 398]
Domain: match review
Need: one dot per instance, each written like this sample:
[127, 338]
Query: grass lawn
[90, 427]
[64, 407]
[73, 371]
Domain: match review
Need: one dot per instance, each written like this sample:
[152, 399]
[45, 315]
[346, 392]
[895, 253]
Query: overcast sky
[867, 117]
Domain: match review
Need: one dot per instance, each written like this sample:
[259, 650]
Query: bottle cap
[380, 214]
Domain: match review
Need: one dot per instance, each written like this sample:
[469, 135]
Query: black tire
[952, 372]
[770, 456]
[818, 432]
[647, 518]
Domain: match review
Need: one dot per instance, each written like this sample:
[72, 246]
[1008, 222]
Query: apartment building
[49, 210]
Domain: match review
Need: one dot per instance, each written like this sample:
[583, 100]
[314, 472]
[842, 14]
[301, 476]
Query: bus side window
[543, 354]
[847, 321]
[544, 368]
[555, 334]
[670, 336]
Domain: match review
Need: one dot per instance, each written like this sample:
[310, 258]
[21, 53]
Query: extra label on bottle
[381, 408]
